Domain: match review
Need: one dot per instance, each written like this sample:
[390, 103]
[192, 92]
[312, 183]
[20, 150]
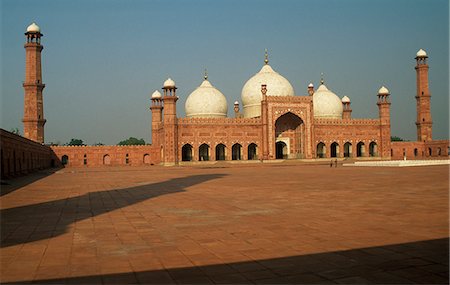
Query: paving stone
[261, 223]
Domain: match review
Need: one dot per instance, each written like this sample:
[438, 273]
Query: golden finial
[266, 57]
[206, 74]
[321, 78]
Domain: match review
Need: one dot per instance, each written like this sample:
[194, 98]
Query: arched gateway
[289, 136]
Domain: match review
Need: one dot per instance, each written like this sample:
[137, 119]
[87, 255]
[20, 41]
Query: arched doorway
[64, 160]
[146, 158]
[415, 152]
[220, 152]
[430, 153]
[186, 152]
[252, 151]
[203, 152]
[106, 159]
[373, 149]
[280, 150]
[236, 152]
[347, 149]
[321, 150]
[289, 128]
[360, 149]
[334, 149]
[439, 151]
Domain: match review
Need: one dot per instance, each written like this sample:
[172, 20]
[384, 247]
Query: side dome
[345, 99]
[33, 28]
[326, 104]
[251, 95]
[383, 91]
[169, 83]
[206, 101]
[421, 53]
[156, 95]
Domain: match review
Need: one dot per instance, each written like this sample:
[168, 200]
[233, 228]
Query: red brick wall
[420, 150]
[20, 156]
[89, 156]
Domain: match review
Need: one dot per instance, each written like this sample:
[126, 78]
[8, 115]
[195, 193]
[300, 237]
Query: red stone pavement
[226, 223]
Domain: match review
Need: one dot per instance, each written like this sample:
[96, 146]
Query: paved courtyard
[224, 223]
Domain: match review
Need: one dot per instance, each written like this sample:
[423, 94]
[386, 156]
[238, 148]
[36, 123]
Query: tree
[75, 142]
[15, 131]
[132, 141]
[396, 139]
[98, 144]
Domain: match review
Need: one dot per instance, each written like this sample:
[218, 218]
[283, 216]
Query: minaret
[170, 123]
[384, 104]
[156, 109]
[33, 116]
[347, 110]
[423, 97]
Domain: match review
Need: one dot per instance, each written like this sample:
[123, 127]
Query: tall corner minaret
[33, 116]
[170, 123]
[156, 108]
[423, 97]
[384, 108]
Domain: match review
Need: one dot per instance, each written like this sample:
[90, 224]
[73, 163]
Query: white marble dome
[206, 102]
[383, 91]
[251, 95]
[156, 95]
[169, 83]
[33, 28]
[421, 53]
[326, 104]
[345, 99]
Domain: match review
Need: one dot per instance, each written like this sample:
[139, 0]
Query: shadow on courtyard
[44, 220]
[423, 262]
[12, 184]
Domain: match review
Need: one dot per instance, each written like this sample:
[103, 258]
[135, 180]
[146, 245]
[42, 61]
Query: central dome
[326, 104]
[251, 95]
[206, 102]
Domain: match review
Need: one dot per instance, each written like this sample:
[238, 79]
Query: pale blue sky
[102, 59]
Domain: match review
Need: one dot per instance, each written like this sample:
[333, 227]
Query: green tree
[132, 141]
[396, 139]
[15, 131]
[75, 142]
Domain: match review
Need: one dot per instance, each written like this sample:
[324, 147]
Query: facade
[275, 123]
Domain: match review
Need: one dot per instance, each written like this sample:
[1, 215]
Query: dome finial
[206, 74]
[266, 57]
[321, 79]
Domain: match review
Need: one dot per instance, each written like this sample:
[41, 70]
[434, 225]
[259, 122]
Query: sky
[102, 59]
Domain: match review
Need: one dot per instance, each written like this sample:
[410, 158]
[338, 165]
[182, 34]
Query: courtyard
[260, 223]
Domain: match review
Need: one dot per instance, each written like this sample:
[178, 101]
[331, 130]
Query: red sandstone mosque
[275, 123]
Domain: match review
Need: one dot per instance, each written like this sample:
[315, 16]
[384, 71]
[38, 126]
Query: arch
[321, 150]
[360, 149]
[236, 152]
[415, 152]
[252, 151]
[289, 128]
[127, 159]
[146, 158]
[334, 149]
[439, 151]
[373, 149]
[106, 159]
[186, 152]
[220, 151]
[347, 149]
[203, 152]
[84, 159]
[65, 160]
[430, 152]
[280, 150]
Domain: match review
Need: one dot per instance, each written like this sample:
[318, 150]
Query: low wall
[94, 156]
[420, 150]
[20, 156]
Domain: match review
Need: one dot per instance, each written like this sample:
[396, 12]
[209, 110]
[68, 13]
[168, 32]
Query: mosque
[274, 123]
